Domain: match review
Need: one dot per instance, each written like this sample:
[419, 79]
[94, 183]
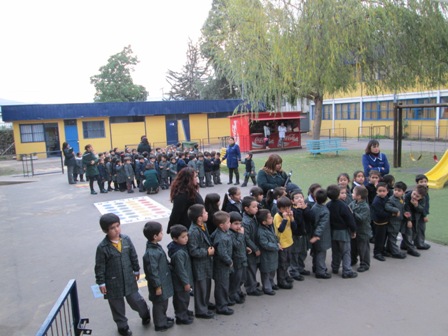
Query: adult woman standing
[272, 175]
[144, 145]
[69, 161]
[233, 155]
[373, 159]
[183, 194]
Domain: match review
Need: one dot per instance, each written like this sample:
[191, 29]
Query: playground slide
[438, 175]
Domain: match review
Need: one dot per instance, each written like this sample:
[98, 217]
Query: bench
[324, 146]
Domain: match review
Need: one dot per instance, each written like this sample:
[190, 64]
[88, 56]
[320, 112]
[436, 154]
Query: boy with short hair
[415, 211]
[361, 213]
[343, 228]
[395, 206]
[217, 168]
[222, 261]
[181, 272]
[420, 227]
[299, 249]
[117, 272]
[208, 168]
[250, 170]
[158, 276]
[321, 236]
[201, 170]
[129, 173]
[380, 218]
[284, 224]
[164, 167]
[239, 258]
[201, 253]
[269, 247]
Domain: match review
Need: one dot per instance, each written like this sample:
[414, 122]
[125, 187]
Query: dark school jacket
[198, 243]
[181, 271]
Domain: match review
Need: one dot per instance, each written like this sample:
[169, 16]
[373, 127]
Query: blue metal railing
[64, 318]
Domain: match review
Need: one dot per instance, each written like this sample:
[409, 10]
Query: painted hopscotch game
[136, 209]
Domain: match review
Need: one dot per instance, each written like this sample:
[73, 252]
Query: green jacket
[117, 269]
[158, 273]
[198, 243]
[91, 168]
[222, 260]
[267, 240]
[361, 212]
[180, 266]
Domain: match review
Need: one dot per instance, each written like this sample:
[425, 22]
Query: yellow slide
[438, 175]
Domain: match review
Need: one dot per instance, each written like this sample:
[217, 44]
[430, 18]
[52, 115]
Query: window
[346, 111]
[93, 129]
[326, 111]
[123, 120]
[444, 110]
[383, 110]
[32, 133]
[419, 113]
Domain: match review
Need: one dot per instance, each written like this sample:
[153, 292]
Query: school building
[42, 129]
[356, 115]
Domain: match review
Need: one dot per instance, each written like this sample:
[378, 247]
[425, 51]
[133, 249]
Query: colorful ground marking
[136, 209]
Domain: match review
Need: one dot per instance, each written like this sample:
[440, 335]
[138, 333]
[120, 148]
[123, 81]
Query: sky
[50, 49]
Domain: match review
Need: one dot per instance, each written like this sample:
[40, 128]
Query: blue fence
[64, 317]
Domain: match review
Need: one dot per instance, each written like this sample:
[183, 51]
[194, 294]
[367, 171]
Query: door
[71, 134]
[172, 136]
[52, 144]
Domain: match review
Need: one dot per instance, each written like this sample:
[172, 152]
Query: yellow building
[42, 129]
[355, 115]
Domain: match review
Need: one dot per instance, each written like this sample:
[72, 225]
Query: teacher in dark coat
[233, 155]
[184, 193]
[69, 161]
[272, 175]
[144, 145]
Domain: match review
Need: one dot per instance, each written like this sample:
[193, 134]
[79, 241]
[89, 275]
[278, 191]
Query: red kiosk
[247, 129]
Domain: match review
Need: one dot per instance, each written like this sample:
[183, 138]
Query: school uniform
[151, 184]
[321, 229]
[250, 225]
[201, 172]
[208, 167]
[116, 267]
[202, 264]
[158, 275]
[299, 248]
[394, 205]
[182, 275]
[283, 230]
[380, 218]
[361, 213]
[130, 176]
[222, 266]
[342, 225]
[418, 224]
[249, 172]
[268, 242]
[239, 258]
[234, 206]
[216, 171]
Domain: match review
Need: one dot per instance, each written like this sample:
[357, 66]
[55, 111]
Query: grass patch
[325, 168]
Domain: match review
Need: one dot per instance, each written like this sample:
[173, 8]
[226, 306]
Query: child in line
[108, 165]
[269, 247]
[415, 206]
[343, 182]
[374, 178]
[284, 225]
[79, 168]
[359, 179]
[380, 218]
[181, 273]
[211, 204]
[117, 272]
[201, 253]
[250, 225]
[420, 227]
[208, 168]
[271, 199]
[343, 228]
[172, 169]
[129, 173]
[257, 193]
[121, 175]
[390, 182]
[158, 276]
[395, 206]
[201, 170]
[140, 166]
[299, 246]
[222, 261]
[232, 200]
[103, 173]
[321, 236]
[250, 170]
[193, 162]
[216, 172]
[361, 213]
[164, 167]
[239, 258]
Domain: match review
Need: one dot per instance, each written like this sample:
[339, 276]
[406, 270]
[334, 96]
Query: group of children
[272, 235]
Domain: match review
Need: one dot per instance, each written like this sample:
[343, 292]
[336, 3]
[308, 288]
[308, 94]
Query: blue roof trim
[128, 109]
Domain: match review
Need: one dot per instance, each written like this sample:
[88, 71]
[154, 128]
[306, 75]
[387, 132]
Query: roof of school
[123, 109]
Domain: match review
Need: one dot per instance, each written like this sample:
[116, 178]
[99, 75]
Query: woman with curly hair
[183, 194]
[272, 175]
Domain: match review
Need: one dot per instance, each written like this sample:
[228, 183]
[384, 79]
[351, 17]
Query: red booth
[247, 129]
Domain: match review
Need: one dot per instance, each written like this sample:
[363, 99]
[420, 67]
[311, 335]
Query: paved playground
[50, 231]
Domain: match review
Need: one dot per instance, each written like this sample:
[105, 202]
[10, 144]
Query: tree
[114, 82]
[296, 48]
[188, 84]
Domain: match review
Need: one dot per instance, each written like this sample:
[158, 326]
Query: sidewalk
[50, 232]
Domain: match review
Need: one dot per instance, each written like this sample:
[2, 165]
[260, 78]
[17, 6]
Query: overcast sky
[51, 48]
